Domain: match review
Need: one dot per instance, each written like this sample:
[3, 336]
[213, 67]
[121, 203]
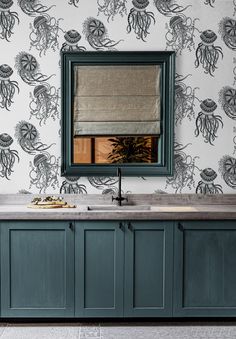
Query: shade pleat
[117, 100]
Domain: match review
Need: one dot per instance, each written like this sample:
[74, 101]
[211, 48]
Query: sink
[119, 208]
[173, 208]
[160, 208]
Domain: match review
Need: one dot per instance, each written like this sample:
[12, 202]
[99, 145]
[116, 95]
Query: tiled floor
[118, 331]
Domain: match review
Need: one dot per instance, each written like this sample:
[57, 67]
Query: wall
[33, 32]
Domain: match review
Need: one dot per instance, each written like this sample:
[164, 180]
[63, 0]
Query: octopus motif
[28, 69]
[8, 19]
[228, 101]
[33, 7]
[106, 184]
[209, 2]
[207, 185]
[227, 167]
[184, 100]
[73, 2]
[110, 8]
[184, 172]
[72, 39]
[71, 186]
[96, 35]
[139, 19]
[228, 32]
[44, 172]
[207, 54]
[8, 156]
[168, 8]
[44, 33]
[44, 103]
[7, 87]
[180, 34]
[28, 138]
[207, 123]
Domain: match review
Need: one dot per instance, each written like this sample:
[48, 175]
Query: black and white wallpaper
[203, 34]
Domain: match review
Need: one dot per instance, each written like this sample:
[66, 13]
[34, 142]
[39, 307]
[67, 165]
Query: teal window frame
[166, 61]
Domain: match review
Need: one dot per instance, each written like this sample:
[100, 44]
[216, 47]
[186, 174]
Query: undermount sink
[119, 208]
[172, 208]
[160, 208]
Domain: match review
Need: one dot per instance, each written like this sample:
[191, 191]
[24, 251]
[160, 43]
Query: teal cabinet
[37, 269]
[118, 269]
[148, 269]
[99, 261]
[205, 269]
[116, 261]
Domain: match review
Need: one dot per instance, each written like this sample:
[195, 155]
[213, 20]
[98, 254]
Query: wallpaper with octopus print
[201, 32]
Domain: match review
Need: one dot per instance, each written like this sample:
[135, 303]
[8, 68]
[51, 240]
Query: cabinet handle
[121, 226]
[130, 226]
[180, 226]
[71, 226]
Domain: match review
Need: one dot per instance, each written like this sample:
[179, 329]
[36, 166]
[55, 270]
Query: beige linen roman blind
[117, 100]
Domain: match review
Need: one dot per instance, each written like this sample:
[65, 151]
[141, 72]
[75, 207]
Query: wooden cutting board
[48, 206]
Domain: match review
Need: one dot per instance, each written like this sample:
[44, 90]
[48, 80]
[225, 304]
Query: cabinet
[118, 269]
[205, 268]
[130, 261]
[37, 269]
[99, 261]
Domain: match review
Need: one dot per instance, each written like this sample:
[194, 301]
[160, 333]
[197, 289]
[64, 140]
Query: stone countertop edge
[164, 207]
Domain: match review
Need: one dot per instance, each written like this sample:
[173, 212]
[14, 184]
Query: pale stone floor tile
[119, 331]
[40, 331]
[2, 328]
[167, 332]
[91, 331]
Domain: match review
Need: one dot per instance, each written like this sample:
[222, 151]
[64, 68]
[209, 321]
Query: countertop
[160, 212]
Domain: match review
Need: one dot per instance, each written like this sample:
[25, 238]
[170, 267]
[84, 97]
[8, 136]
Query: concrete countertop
[160, 212]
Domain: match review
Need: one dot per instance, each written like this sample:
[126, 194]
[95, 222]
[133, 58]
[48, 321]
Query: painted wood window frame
[166, 60]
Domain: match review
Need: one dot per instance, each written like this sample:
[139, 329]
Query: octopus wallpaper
[201, 32]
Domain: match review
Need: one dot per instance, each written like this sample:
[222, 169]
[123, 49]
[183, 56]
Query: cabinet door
[148, 269]
[37, 269]
[99, 260]
[205, 268]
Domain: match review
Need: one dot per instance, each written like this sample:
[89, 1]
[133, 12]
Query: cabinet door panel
[148, 269]
[99, 269]
[205, 277]
[37, 269]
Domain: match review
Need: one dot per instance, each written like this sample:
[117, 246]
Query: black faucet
[119, 198]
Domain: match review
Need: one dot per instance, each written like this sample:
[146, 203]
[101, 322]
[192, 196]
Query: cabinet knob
[180, 226]
[130, 226]
[121, 226]
[71, 226]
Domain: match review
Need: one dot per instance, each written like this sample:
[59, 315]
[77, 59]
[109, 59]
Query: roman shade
[117, 100]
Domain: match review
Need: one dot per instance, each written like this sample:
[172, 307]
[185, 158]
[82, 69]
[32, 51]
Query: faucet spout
[119, 186]
[119, 197]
